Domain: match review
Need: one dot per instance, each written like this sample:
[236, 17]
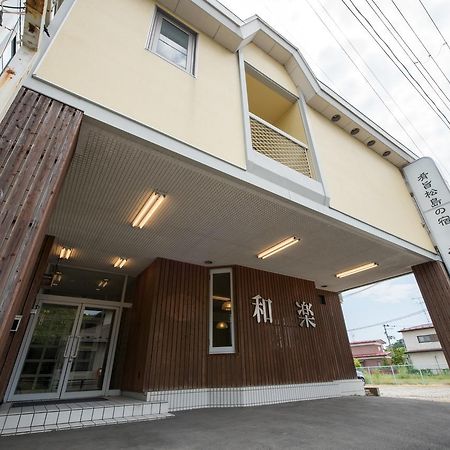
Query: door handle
[75, 347]
[68, 346]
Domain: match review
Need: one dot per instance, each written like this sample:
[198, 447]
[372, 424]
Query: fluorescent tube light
[65, 253]
[120, 262]
[278, 247]
[103, 283]
[358, 269]
[149, 208]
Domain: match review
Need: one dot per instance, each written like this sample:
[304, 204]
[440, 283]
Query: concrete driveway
[340, 423]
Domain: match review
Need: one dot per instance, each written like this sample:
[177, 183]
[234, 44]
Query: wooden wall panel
[434, 283]
[38, 136]
[168, 343]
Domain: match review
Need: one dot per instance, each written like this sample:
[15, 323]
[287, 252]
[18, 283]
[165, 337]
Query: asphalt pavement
[339, 423]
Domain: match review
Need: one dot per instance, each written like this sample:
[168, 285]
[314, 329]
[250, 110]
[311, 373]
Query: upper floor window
[428, 338]
[173, 41]
[221, 326]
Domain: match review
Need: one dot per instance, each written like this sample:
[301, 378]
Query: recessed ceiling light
[371, 143]
[358, 269]
[354, 131]
[65, 253]
[336, 118]
[149, 208]
[278, 247]
[120, 262]
[386, 153]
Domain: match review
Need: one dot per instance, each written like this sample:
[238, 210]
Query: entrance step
[41, 417]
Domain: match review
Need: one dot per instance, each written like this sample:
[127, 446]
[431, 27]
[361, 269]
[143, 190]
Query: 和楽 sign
[433, 198]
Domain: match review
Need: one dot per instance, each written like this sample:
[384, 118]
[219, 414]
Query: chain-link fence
[405, 374]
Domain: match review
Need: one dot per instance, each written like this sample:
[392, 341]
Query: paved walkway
[431, 392]
[340, 423]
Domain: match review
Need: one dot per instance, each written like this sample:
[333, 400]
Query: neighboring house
[370, 353]
[423, 347]
[183, 202]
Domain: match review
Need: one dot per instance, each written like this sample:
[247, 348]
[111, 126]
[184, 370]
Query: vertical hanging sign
[433, 198]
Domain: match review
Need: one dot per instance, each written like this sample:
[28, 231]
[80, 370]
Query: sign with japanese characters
[433, 197]
[263, 309]
[305, 314]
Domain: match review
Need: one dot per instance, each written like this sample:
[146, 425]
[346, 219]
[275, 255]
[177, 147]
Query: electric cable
[396, 319]
[420, 40]
[365, 78]
[411, 78]
[420, 66]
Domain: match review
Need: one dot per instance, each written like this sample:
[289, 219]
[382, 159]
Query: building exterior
[423, 347]
[370, 353]
[182, 203]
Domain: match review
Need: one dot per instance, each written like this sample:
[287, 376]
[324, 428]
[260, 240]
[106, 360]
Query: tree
[357, 363]
[398, 353]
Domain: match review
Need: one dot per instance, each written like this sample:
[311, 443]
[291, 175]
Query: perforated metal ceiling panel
[205, 217]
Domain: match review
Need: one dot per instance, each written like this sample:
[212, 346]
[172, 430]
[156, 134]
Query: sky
[362, 74]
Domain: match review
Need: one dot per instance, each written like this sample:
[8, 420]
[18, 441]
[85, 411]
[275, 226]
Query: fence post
[393, 374]
[370, 375]
[421, 376]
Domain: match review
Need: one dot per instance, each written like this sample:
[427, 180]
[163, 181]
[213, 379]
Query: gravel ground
[431, 392]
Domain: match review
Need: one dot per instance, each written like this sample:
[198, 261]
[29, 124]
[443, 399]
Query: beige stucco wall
[269, 67]
[364, 185]
[292, 123]
[100, 54]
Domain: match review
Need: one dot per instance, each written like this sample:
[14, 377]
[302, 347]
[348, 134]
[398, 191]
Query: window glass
[428, 338]
[221, 324]
[173, 41]
[174, 36]
[171, 53]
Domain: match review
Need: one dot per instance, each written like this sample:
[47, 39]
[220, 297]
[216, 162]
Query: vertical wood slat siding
[434, 284]
[171, 316]
[37, 139]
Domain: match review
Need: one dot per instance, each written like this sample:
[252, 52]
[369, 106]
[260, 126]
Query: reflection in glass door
[68, 352]
[46, 358]
[90, 350]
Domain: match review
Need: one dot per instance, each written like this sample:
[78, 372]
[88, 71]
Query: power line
[418, 63]
[386, 321]
[362, 74]
[420, 40]
[423, 94]
[361, 290]
[435, 26]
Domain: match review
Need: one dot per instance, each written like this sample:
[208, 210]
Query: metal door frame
[81, 303]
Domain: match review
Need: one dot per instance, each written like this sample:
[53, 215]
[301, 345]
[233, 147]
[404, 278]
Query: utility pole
[386, 326]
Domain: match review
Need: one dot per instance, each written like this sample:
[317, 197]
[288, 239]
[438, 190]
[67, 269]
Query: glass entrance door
[67, 353]
[90, 351]
[47, 357]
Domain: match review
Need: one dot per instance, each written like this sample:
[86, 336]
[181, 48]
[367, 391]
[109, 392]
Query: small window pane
[173, 41]
[176, 35]
[171, 54]
[222, 304]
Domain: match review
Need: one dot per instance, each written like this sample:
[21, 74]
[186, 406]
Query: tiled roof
[418, 327]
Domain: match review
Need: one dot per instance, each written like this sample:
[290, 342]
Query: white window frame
[156, 32]
[229, 349]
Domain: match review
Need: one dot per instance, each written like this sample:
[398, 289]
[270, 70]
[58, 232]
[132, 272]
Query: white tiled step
[41, 418]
